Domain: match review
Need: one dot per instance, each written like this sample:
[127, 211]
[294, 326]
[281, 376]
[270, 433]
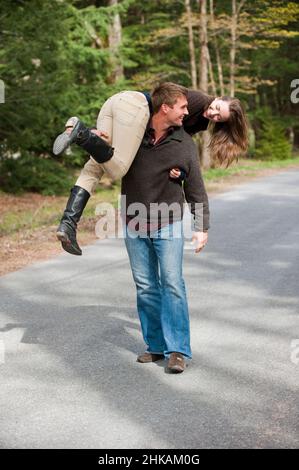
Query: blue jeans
[156, 262]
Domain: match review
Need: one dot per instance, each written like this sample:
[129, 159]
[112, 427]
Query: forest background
[61, 58]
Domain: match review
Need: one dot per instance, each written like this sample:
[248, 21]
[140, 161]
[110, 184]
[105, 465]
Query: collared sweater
[147, 183]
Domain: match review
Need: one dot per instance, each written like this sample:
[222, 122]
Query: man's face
[179, 110]
[218, 111]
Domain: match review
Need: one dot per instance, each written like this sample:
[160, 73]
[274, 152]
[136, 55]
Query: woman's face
[218, 111]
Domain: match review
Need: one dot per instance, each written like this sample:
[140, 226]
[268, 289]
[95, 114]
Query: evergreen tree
[272, 143]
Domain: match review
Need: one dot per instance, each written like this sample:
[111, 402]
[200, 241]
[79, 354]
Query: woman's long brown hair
[229, 139]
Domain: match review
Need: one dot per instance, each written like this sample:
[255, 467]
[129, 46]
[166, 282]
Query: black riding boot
[81, 135]
[66, 231]
[100, 151]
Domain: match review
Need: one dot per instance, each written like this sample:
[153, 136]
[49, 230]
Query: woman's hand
[175, 173]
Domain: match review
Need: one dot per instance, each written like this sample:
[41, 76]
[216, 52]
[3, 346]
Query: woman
[122, 122]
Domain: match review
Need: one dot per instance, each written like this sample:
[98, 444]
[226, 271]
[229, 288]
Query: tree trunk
[203, 77]
[291, 136]
[234, 29]
[191, 45]
[232, 55]
[203, 64]
[115, 33]
[218, 58]
[211, 74]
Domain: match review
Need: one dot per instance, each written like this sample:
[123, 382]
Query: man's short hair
[167, 93]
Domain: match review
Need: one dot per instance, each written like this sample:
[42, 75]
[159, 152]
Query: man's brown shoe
[176, 363]
[149, 357]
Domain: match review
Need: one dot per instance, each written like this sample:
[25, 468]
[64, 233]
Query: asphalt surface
[69, 336]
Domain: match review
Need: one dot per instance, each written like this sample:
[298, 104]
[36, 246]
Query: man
[154, 240]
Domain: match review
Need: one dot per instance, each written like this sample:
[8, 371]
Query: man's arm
[197, 199]
[195, 193]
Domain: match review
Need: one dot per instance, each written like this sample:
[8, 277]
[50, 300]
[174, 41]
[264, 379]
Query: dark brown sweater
[148, 182]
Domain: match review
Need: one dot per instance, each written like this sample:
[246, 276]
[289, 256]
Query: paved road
[69, 336]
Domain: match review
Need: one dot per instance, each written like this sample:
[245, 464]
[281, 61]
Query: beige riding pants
[123, 117]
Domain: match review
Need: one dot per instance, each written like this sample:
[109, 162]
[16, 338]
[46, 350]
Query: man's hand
[199, 240]
[103, 135]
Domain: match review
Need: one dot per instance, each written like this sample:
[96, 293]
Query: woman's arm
[198, 101]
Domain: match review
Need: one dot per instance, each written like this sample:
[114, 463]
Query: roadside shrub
[35, 174]
[272, 142]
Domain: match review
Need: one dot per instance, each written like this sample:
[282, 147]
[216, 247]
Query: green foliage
[155, 46]
[32, 68]
[55, 62]
[51, 69]
[35, 174]
[272, 143]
